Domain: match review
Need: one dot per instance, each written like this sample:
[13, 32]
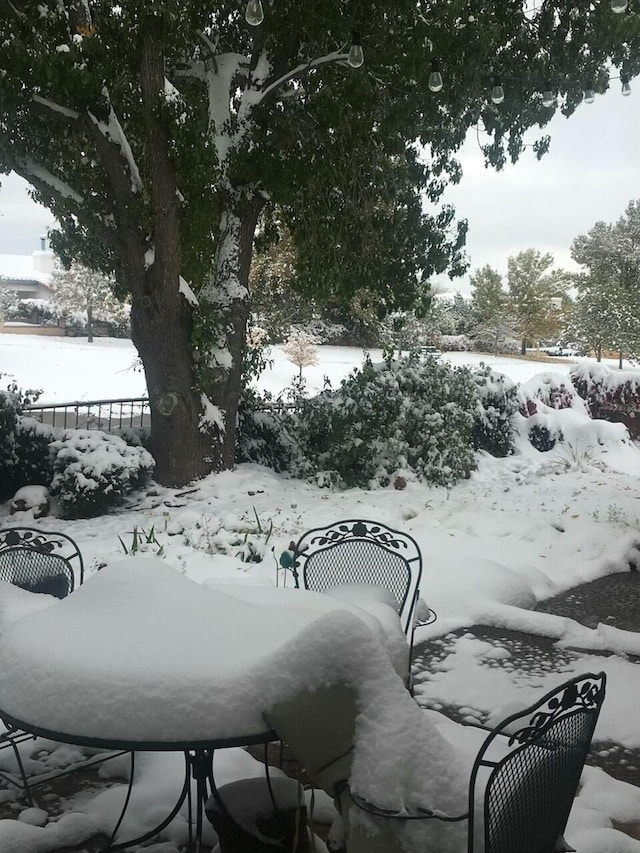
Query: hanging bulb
[435, 77]
[618, 6]
[497, 93]
[589, 95]
[548, 98]
[626, 88]
[356, 54]
[254, 15]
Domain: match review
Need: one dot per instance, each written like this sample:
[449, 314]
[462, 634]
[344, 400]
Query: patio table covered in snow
[142, 658]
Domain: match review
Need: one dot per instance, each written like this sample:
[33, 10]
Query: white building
[28, 275]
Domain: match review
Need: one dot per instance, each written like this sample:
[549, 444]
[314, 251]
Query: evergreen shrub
[24, 444]
[406, 417]
[94, 471]
[497, 404]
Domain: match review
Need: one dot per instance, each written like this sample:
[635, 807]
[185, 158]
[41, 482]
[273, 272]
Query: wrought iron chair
[42, 562]
[526, 774]
[360, 551]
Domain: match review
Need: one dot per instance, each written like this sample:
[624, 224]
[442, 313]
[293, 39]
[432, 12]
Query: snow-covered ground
[69, 369]
[519, 530]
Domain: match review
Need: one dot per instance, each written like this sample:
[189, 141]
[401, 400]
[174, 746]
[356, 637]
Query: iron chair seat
[35, 571]
[361, 551]
[38, 561]
[45, 542]
[520, 799]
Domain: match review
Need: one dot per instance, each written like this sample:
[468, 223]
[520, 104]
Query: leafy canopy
[354, 160]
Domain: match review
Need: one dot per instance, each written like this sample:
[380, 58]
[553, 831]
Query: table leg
[184, 793]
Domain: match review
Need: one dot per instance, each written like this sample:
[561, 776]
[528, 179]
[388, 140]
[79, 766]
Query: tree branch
[57, 108]
[45, 181]
[298, 71]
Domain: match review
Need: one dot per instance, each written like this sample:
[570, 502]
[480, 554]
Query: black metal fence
[107, 415]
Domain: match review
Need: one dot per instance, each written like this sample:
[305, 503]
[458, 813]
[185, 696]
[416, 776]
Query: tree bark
[228, 295]
[89, 325]
[523, 347]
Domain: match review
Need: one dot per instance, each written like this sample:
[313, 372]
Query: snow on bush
[552, 410]
[94, 471]
[611, 395]
[455, 343]
[497, 404]
[24, 444]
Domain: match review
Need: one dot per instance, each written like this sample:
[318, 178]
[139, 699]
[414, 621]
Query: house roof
[22, 268]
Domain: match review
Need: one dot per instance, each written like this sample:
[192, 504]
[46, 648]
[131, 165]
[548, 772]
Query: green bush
[24, 444]
[497, 404]
[94, 471]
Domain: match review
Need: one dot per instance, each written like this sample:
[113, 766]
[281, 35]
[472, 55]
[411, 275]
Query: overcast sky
[591, 173]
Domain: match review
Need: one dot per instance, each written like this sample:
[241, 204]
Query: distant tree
[532, 286]
[301, 349]
[80, 289]
[613, 250]
[489, 299]
[461, 311]
[611, 290]
[494, 324]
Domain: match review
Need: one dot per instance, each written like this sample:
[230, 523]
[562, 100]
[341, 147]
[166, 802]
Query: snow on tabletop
[205, 652]
[207, 665]
[16, 603]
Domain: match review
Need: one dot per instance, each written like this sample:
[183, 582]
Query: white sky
[591, 173]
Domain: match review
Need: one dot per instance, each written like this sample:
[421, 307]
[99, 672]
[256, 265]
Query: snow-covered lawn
[519, 530]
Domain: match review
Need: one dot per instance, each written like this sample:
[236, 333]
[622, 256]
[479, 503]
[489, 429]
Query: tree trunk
[598, 353]
[228, 296]
[161, 317]
[89, 326]
[523, 347]
[620, 360]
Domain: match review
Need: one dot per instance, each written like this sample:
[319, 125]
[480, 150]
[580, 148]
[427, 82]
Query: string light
[254, 14]
[589, 95]
[435, 77]
[626, 88]
[356, 54]
[618, 6]
[497, 93]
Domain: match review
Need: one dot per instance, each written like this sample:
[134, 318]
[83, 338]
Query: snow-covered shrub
[497, 404]
[24, 443]
[543, 437]
[94, 471]
[396, 417]
[613, 395]
[34, 464]
[267, 432]
[549, 390]
[455, 343]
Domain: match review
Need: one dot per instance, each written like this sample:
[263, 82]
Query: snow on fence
[106, 415]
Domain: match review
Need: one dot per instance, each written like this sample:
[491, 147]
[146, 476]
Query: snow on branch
[29, 170]
[113, 132]
[336, 56]
[57, 108]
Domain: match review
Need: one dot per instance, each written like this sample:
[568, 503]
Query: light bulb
[435, 77]
[589, 95]
[356, 54]
[254, 15]
[497, 93]
[626, 88]
[618, 6]
[548, 98]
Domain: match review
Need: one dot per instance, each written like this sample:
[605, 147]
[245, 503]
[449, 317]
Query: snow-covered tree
[8, 300]
[301, 348]
[159, 133]
[80, 289]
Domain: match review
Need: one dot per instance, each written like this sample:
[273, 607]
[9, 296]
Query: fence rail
[106, 415]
